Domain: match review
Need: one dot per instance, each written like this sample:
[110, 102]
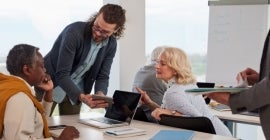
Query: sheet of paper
[242, 82]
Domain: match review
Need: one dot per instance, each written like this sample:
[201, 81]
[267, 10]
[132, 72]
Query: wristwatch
[173, 112]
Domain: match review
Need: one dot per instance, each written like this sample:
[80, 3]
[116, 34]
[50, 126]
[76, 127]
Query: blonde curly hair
[179, 62]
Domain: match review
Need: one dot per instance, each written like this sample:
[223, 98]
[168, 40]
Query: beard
[98, 38]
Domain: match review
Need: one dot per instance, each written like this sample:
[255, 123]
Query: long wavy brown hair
[112, 14]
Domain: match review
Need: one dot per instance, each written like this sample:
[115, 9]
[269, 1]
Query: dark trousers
[66, 108]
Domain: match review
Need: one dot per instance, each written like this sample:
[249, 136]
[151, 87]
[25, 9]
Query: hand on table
[69, 133]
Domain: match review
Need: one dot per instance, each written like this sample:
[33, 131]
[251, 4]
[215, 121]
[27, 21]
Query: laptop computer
[119, 113]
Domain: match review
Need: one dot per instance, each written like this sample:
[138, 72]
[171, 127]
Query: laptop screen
[124, 106]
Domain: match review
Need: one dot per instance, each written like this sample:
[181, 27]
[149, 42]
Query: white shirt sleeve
[47, 106]
[179, 102]
[22, 120]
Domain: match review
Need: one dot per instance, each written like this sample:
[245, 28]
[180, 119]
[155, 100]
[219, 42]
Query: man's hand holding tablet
[100, 97]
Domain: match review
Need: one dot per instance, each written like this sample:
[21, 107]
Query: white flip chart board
[235, 40]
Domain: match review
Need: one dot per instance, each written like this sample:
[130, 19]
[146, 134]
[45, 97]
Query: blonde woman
[174, 68]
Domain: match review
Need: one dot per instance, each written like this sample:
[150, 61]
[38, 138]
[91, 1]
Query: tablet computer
[105, 98]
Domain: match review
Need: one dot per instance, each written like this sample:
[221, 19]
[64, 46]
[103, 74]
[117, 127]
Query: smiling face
[174, 64]
[36, 72]
[102, 30]
[163, 71]
[26, 61]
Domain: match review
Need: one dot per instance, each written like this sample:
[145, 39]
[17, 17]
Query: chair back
[201, 124]
[140, 115]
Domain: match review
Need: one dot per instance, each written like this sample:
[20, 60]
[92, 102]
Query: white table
[91, 133]
[228, 117]
[238, 118]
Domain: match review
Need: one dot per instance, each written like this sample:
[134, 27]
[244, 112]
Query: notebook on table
[173, 135]
[119, 113]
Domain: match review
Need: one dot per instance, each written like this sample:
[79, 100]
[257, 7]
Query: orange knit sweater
[9, 86]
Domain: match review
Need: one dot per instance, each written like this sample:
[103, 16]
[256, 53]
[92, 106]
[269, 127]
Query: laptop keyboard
[106, 120]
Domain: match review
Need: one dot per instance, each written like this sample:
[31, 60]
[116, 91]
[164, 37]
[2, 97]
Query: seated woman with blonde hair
[174, 68]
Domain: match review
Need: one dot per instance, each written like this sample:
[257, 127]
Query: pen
[54, 127]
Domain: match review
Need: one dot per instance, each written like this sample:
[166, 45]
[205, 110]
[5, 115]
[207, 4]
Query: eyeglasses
[102, 32]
